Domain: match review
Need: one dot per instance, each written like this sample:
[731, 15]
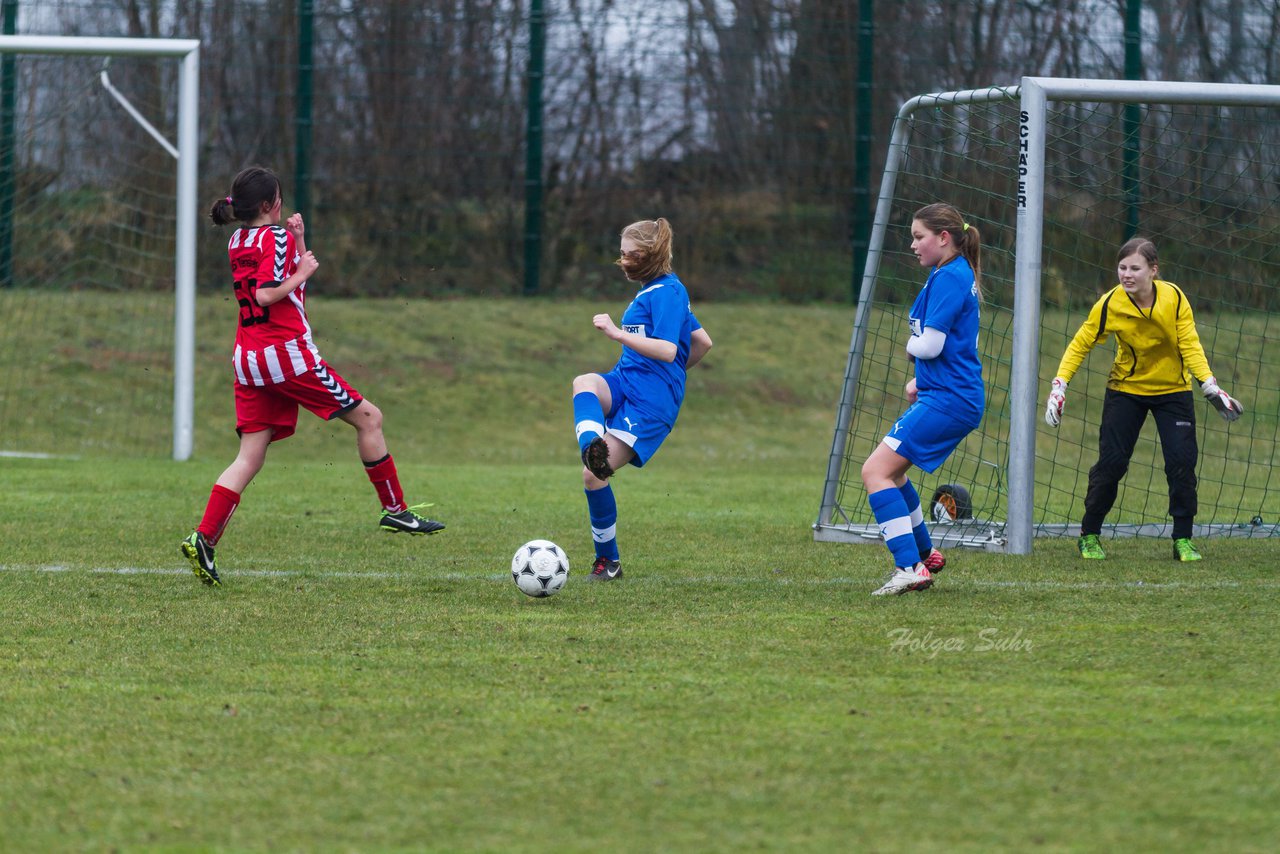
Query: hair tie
[232, 203]
[966, 225]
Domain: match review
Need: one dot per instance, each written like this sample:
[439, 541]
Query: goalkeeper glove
[1057, 397]
[1228, 407]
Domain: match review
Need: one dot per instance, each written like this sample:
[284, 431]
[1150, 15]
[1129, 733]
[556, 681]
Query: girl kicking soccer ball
[278, 368]
[624, 415]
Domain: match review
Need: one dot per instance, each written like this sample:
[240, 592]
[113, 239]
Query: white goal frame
[1015, 535]
[184, 319]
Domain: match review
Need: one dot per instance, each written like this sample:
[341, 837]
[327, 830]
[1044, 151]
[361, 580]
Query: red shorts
[275, 407]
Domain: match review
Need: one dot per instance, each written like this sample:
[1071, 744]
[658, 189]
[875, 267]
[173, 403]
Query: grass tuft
[348, 689]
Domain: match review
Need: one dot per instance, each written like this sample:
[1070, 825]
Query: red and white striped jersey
[273, 343]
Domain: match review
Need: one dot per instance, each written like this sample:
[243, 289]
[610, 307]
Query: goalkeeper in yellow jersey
[1158, 353]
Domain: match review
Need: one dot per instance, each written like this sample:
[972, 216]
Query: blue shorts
[635, 427]
[926, 436]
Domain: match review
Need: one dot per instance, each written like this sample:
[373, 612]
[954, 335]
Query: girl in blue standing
[946, 396]
[624, 415]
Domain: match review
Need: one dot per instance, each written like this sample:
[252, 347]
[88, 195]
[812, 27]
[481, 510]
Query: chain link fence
[403, 126]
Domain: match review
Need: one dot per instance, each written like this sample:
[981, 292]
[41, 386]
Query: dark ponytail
[250, 190]
[222, 212]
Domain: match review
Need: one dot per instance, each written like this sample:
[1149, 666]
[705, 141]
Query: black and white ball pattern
[540, 568]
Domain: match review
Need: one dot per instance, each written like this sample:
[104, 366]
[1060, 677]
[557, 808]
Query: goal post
[187, 51]
[1040, 165]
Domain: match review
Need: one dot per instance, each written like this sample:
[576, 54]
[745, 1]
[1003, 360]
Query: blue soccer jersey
[660, 310]
[952, 381]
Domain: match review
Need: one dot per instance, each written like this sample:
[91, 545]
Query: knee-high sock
[217, 513]
[603, 510]
[923, 541]
[382, 474]
[895, 525]
[588, 418]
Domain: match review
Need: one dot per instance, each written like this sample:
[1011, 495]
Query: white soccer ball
[540, 568]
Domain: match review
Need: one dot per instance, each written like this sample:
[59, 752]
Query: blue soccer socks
[923, 541]
[603, 510]
[588, 418]
[895, 525]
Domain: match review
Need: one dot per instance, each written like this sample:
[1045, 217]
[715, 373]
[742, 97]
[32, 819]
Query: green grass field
[739, 689]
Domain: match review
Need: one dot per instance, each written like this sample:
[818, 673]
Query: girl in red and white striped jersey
[278, 368]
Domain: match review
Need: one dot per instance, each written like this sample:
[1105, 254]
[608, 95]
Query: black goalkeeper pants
[1122, 418]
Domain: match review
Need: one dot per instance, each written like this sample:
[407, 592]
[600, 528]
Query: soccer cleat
[902, 580]
[1090, 547]
[605, 570]
[1185, 550]
[409, 521]
[595, 457]
[197, 550]
[933, 561]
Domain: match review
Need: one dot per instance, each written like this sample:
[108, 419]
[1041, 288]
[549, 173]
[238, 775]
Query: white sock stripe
[589, 427]
[387, 496]
[917, 517]
[604, 535]
[896, 528]
[217, 535]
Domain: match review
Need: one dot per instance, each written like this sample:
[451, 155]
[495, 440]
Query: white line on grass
[1046, 584]
[35, 455]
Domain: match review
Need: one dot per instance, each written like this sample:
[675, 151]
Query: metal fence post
[8, 178]
[862, 144]
[1132, 119]
[302, 111]
[533, 149]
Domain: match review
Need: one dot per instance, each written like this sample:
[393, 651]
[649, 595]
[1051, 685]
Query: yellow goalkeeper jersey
[1156, 348]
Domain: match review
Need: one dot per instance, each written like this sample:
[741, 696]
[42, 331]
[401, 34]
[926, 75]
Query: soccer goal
[1057, 173]
[98, 215]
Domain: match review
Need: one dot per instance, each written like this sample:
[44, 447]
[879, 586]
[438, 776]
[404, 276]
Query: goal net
[1057, 174]
[96, 214]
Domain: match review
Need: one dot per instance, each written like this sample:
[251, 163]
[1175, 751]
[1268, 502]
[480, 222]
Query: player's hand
[1057, 397]
[911, 390]
[308, 264]
[605, 324]
[1228, 407]
[294, 226]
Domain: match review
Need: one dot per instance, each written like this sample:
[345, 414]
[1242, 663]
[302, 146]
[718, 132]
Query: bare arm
[699, 344]
[653, 348]
[270, 296]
